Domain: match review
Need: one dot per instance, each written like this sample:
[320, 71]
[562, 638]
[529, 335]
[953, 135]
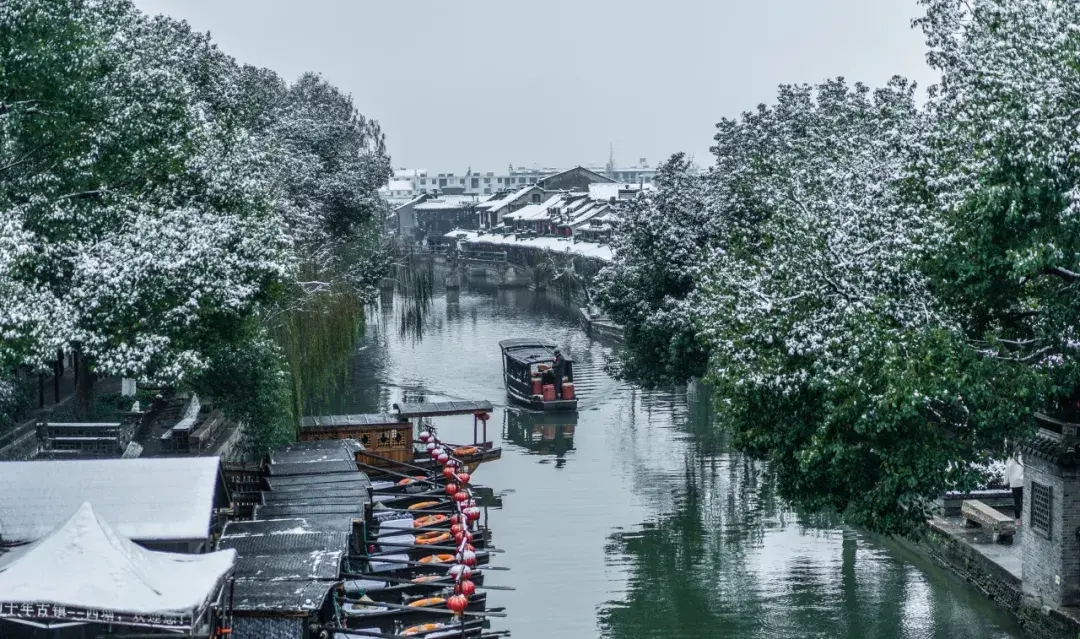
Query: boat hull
[558, 405]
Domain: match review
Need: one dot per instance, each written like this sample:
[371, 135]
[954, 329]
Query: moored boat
[529, 375]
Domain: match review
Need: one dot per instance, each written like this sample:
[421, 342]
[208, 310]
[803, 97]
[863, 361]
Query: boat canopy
[530, 351]
[522, 342]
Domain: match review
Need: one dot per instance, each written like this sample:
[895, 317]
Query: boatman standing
[559, 368]
[1014, 474]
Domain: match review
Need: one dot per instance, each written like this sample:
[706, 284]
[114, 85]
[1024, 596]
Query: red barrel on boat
[537, 386]
[568, 391]
[549, 392]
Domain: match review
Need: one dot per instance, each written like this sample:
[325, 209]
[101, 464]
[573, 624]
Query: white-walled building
[409, 183]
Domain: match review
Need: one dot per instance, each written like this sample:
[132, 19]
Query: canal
[635, 520]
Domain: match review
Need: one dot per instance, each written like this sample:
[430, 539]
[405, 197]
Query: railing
[484, 256]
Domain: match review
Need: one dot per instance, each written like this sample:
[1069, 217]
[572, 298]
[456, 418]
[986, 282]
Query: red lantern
[460, 496]
[425, 435]
[430, 446]
[448, 473]
[472, 514]
[457, 528]
[451, 489]
[460, 571]
[463, 478]
[443, 458]
[467, 588]
[456, 519]
[469, 547]
[468, 558]
[457, 603]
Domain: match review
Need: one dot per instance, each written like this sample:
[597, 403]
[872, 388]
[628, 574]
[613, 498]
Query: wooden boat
[382, 590]
[388, 439]
[355, 609]
[524, 363]
[444, 628]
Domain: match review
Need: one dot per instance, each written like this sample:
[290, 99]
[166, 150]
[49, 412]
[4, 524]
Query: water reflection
[548, 434]
[651, 526]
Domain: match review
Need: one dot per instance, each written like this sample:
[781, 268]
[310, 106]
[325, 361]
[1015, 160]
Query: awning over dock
[84, 571]
[154, 499]
[441, 409]
[359, 419]
[401, 414]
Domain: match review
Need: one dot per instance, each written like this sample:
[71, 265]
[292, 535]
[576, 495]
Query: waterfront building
[407, 184]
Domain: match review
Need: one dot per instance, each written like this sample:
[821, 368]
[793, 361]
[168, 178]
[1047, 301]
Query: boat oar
[427, 609]
[404, 497]
[397, 474]
[335, 631]
[431, 510]
[367, 453]
[449, 548]
[394, 473]
[390, 532]
[441, 582]
[410, 562]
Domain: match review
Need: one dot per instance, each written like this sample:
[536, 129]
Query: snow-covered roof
[495, 205]
[399, 185]
[586, 214]
[606, 191]
[85, 564]
[534, 212]
[554, 244]
[418, 198]
[156, 498]
[446, 202]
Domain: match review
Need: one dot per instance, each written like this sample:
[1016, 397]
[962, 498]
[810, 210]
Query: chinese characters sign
[26, 610]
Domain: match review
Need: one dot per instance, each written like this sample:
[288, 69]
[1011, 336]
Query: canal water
[634, 519]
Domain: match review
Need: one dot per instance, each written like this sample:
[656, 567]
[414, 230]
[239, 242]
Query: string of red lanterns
[457, 488]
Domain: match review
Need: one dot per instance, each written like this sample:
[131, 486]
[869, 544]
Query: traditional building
[576, 179]
[1051, 538]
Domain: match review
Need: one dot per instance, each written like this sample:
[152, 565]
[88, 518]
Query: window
[535, 198]
[487, 180]
[476, 183]
[1041, 508]
[442, 181]
[521, 180]
[498, 180]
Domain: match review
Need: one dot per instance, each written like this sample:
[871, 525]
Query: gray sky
[456, 83]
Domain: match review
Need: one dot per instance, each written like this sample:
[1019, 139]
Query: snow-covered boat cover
[84, 570]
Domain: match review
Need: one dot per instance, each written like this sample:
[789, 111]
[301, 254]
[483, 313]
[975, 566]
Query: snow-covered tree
[1006, 179]
[144, 230]
[658, 242]
[163, 207]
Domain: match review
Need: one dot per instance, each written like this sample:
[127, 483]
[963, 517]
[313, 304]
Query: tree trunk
[84, 385]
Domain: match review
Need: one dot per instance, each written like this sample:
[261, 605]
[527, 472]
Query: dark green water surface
[634, 519]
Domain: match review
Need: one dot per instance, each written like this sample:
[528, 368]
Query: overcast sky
[460, 83]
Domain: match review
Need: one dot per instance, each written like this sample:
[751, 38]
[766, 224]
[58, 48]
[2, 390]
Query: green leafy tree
[658, 242]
